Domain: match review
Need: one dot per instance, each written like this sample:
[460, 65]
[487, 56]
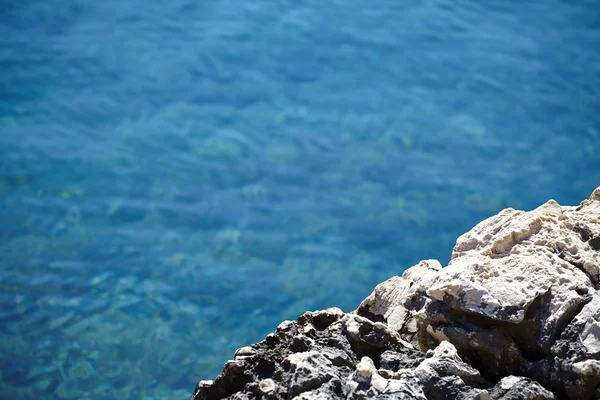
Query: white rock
[244, 352]
[509, 381]
[366, 373]
[506, 262]
[267, 385]
[446, 350]
[307, 359]
[587, 367]
[389, 297]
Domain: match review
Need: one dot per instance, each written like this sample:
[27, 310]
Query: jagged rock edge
[548, 366]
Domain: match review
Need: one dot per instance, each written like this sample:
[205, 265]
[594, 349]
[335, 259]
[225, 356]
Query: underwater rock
[514, 315]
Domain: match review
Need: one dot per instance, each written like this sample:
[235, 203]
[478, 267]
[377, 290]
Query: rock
[392, 299]
[520, 388]
[519, 297]
[576, 352]
[514, 315]
[344, 360]
[365, 379]
[308, 371]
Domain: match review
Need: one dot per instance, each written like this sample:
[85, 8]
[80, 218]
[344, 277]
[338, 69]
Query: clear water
[178, 177]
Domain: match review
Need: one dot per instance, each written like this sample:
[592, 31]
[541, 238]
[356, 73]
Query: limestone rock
[519, 297]
[520, 388]
[393, 299]
[514, 315]
[333, 355]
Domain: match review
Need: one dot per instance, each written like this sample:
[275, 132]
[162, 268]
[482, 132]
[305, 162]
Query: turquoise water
[176, 178]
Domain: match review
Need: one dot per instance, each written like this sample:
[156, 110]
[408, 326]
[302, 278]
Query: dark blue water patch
[128, 212]
[15, 369]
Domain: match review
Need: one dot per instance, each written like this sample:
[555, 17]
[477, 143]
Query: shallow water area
[176, 179]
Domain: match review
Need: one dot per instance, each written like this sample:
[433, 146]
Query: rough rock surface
[514, 315]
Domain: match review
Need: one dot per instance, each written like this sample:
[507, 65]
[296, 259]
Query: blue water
[178, 177]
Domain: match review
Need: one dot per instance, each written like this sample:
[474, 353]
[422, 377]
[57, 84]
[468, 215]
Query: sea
[177, 178]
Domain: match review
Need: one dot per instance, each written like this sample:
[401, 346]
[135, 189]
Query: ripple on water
[232, 166]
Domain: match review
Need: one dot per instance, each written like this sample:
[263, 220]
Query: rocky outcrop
[514, 315]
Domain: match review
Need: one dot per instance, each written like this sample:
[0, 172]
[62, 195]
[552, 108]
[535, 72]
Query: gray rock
[515, 315]
[348, 357]
[520, 388]
[393, 299]
[519, 297]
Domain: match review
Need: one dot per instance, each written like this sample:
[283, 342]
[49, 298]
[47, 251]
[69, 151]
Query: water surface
[177, 178]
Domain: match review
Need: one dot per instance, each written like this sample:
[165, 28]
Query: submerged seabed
[178, 177]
